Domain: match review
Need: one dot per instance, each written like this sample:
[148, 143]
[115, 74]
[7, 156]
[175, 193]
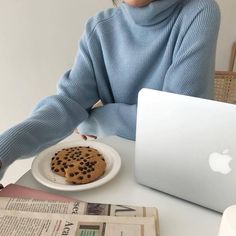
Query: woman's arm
[193, 66]
[111, 119]
[54, 117]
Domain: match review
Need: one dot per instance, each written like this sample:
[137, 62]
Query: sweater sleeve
[54, 117]
[111, 119]
[193, 64]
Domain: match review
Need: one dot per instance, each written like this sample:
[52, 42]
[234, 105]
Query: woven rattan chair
[225, 82]
[225, 87]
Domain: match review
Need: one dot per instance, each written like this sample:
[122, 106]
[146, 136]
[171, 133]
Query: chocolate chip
[72, 175]
[80, 168]
[84, 172]
[89, 176]
[76, 173]
[62, 169]
[81, 177]
[56, 170]
[53, 158]
[71, 165]
[73, 182]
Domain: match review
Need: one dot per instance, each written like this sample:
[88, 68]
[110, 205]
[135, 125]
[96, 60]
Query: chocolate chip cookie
[79, 165]
[85, 170]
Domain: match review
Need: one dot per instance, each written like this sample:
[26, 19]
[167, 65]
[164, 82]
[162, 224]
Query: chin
[137, 3]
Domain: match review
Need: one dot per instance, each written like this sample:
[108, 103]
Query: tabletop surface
[176, 217]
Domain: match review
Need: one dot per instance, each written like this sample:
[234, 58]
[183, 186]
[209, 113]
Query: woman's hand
[85, 136]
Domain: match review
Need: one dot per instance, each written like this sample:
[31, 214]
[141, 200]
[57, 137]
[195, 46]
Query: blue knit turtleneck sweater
[167, 45]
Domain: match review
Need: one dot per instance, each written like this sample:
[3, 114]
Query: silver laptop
[186, 147]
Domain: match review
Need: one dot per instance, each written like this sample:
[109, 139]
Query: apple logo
[219, 162]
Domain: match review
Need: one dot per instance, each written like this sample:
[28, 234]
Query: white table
[177, 217]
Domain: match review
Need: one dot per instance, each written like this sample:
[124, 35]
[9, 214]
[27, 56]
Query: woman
[166, 45]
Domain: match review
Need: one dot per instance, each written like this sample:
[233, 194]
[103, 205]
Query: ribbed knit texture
[168, 45]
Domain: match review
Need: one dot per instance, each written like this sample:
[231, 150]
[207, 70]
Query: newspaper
[75, 218]
[48, 224]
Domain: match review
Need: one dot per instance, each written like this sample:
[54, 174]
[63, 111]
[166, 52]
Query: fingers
[85, 136]
[91, 136]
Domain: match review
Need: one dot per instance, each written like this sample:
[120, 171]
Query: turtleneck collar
[151, 14]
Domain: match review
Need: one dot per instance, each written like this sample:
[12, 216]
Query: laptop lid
[186, 147]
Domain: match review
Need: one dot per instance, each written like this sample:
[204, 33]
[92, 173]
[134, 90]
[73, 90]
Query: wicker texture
[225, 82]
[225, 87]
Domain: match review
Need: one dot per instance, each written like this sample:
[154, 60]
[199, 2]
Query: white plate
[41, 168]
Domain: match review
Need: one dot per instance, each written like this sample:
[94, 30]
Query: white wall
[227, 34]
[38, 41]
